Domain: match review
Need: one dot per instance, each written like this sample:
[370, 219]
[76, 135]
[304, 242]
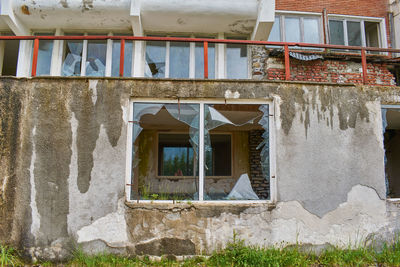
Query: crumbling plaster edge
[177, 207]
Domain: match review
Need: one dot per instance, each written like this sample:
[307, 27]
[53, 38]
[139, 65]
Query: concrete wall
[62, 169]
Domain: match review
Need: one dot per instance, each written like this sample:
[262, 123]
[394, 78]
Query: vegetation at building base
[236, 254]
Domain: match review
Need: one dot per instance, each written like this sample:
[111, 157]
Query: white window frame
[192, 55]
[381, 29]
[301, 15]
[202, 102]
[220, 62]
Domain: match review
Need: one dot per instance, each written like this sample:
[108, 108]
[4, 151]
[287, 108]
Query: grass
[8, 256]
[237, 253]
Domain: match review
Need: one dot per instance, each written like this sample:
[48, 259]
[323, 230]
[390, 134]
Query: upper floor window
[95, 58]
[9, 52]
[178, 60]
[295, 28]
[186, 60]
[354, 32]
[236, 61]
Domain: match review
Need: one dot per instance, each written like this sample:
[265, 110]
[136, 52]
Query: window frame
[202, 102]
[59, 49]
[192, 55]
[301, 15]
[382, 39]
[183, 177]
[390, 199]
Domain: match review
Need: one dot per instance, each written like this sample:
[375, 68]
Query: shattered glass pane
[391, 142]
[96, 58]
[170, 131]
[247, 127]
[155, 59]
[72, 62]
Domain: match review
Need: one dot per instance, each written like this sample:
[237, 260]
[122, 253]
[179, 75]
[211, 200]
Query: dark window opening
[218, 160]
[391, 118]
[10, 58]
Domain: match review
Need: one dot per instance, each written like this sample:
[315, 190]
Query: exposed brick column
[258, 182]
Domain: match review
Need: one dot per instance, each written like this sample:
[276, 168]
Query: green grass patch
[237, 253]
[8, 257]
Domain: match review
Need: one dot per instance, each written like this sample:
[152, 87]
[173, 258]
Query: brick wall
[258, 182]
[326, 70]
[368, 8]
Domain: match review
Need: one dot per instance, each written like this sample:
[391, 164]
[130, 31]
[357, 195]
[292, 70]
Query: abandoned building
[164, 127]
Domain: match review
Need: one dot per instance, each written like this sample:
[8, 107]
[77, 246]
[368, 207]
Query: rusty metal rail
[205, 42]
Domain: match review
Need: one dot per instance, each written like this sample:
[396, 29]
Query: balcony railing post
[287, 63]
[35, 56]
[364, 66]
[121, 58]
[205, 60]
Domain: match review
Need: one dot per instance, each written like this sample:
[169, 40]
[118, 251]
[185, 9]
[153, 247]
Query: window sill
[393, 200]
[223, 205]
[191, 177]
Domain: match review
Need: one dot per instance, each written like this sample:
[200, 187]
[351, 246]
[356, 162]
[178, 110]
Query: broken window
[91, 58]
[354, 32]
[95, 62]
[391, 137]
[199, 151]
[72, 59]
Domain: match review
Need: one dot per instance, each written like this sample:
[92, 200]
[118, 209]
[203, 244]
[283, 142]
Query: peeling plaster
[35, 226]
[112, 229]
[290, 223]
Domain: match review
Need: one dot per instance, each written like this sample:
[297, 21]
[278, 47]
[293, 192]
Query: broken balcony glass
[72, 63]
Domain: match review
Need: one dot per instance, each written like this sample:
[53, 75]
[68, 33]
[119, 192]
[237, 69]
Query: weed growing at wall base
[237, 253]
[7, 256]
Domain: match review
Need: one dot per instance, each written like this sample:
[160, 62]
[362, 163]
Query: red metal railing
[205, 42]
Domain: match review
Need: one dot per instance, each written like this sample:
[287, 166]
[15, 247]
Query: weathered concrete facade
[62, 169]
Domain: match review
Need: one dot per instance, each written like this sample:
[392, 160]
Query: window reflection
[199, 60]
[127, 58]
[311, 30]
[236, 61]
[336, 32]
[354, 33]
[179, 60]
[292, 29]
